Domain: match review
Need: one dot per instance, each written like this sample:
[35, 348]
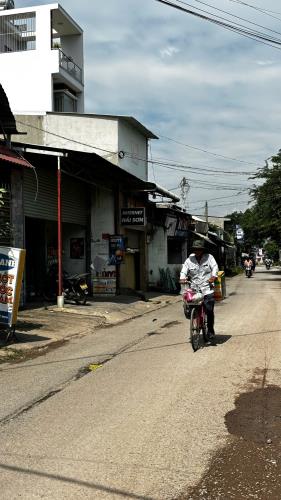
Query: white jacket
[200, 272]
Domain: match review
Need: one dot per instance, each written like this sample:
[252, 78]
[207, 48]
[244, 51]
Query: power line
[229, 14]
[145, 159]
[192, 169]
[217, 198]
[259, 9]
[246, 32]
[200, 183]
[206, 151]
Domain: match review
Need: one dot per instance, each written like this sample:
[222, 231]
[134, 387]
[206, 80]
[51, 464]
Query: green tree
[272, 250]
[267, 197]
[263, 220]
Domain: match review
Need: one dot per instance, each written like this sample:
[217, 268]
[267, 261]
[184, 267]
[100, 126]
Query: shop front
[41, 228]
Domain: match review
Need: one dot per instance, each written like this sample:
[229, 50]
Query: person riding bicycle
[201, 269]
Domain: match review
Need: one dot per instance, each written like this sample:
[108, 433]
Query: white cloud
[169, 52]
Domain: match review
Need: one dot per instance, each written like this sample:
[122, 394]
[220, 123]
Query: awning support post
[60, 296]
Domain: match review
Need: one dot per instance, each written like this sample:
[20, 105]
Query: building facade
[45, 45]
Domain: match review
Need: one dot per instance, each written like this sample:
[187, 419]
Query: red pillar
[59, 232]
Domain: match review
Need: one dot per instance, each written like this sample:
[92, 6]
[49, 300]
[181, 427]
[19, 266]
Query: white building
[122, 140]
[41, 59]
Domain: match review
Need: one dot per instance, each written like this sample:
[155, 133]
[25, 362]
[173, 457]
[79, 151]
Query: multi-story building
[41, 59]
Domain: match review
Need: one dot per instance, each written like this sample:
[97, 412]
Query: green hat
[198, 244]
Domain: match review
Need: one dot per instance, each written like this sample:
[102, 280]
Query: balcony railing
[69, 65]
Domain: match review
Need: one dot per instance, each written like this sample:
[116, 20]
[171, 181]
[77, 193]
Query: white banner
[11, 272]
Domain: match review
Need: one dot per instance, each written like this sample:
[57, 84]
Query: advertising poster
[11, 273]
[77, 248]
[106, 286]
[116, 250]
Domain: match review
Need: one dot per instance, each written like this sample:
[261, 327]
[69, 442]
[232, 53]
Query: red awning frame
[11, 156]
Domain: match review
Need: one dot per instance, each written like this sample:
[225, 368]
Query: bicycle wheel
[195, 328]
[205, 329]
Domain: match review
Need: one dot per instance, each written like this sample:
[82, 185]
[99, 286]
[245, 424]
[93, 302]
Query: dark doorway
[35, 244]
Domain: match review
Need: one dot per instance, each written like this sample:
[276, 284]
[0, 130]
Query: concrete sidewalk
[42, 326]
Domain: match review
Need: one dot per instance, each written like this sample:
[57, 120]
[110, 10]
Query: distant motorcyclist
[248, 263]
[253, 261]
[268, 262]
[248, 266]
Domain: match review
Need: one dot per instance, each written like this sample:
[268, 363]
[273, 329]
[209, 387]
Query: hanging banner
[11, 273]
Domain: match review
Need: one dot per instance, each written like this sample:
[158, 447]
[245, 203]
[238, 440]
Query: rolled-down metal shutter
[40, 197]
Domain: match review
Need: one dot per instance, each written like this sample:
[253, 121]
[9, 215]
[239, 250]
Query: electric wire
[215, 199]
[206, 151]
[169, 162]
[245, 32]
[259, 9]
[229, 14]
[199, 183]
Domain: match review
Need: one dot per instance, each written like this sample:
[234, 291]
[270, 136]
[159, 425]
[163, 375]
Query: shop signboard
[11, 273]
[239, 233]
[133, 216]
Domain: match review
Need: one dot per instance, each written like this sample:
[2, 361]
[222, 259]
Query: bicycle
[194, 299]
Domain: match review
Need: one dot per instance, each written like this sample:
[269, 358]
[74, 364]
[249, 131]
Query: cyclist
[201, 269]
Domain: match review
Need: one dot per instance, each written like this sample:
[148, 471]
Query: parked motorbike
[248, 271]
[75, 286]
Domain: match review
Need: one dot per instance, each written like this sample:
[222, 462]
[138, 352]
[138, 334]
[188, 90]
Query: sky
[208, 93]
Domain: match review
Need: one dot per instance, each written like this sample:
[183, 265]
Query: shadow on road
[256, 333]
[218, 340]
[66, 479]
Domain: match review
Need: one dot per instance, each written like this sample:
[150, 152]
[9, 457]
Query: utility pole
[185, 188]
[206, 217]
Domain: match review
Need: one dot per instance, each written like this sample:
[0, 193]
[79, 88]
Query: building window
[18, 32]
[64, 102]
[175, 251]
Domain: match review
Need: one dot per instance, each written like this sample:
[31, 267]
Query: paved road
[154, 421]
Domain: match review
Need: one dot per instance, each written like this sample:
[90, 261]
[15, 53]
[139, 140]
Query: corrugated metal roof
[7, 154]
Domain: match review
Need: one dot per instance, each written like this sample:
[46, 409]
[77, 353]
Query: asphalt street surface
[132, 412]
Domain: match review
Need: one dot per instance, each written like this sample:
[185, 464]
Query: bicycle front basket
[192, 297]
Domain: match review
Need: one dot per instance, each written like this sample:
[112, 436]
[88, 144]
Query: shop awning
[11, 156]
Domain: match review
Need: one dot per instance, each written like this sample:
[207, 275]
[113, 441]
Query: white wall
[102, 222]
[157, 255]
[133, 142]
[73, 266]
[26, 76]
[109, 135]
[86, 130]
[26, 81]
